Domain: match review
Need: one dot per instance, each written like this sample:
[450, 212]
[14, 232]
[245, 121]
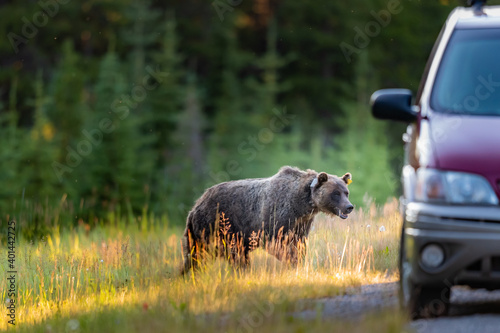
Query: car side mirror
[393, 104]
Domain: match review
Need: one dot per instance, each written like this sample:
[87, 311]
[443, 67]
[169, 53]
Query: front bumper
[470, 237]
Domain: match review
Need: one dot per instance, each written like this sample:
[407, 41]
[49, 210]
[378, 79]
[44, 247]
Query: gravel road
[471, 310]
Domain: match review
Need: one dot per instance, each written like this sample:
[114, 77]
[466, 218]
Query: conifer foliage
[135, 106]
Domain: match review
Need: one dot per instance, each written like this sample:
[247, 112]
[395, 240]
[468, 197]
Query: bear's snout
[343, 211]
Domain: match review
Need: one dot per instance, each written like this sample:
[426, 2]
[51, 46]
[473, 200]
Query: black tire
[420, 301]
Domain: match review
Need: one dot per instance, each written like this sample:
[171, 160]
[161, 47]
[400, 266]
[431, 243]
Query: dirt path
[471, 310]
[355, 304]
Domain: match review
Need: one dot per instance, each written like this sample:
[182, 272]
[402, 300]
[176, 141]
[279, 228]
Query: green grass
[125, 278]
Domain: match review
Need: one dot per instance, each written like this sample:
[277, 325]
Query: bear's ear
[347, 178]
[322, 178]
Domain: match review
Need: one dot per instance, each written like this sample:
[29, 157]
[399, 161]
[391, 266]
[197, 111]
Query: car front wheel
[420, 301]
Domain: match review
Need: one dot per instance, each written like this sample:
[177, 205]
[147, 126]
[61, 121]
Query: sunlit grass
[122, 277]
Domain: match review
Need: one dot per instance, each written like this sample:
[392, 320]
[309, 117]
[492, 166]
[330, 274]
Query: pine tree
[41, 188]
[265, 89]
[66, 108]
[363, 148]
[165, 101]
[319, 74]
[188, 158]
[118, 172]
[12, 180]
[231, 125]
[41, 151]
[269, 85]
[140, 35]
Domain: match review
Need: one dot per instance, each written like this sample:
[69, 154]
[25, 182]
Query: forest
[136, 107]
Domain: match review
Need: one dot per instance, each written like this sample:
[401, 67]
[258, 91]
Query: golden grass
[125, 279]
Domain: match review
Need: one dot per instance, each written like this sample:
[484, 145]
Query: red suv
[451, 176]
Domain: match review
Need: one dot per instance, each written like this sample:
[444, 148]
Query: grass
[124, 278]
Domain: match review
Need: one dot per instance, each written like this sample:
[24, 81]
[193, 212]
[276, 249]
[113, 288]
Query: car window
[468, 80]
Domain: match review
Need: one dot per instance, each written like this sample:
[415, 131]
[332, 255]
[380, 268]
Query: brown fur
[279, 209]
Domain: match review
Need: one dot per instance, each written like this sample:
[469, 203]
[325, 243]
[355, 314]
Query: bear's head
[330, 194]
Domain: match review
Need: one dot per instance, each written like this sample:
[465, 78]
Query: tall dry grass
[122, 276]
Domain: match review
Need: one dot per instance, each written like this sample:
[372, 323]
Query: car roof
[468, 18]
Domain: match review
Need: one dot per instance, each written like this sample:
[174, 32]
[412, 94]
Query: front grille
[451, 219]
[495, 264]
[474, 267]
[486, 265]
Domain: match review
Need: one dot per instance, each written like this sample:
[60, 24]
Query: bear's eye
[336, 193]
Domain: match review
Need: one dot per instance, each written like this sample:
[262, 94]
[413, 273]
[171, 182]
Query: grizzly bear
[278, 210]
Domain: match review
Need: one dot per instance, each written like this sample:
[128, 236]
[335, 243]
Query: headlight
[453, 187]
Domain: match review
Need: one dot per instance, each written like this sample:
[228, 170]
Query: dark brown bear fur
[279, 209]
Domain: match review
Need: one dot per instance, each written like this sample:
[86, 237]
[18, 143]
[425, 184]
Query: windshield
[468, 80]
